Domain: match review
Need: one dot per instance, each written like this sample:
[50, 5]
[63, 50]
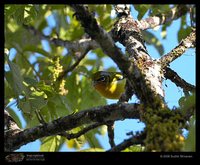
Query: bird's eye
[101, 79]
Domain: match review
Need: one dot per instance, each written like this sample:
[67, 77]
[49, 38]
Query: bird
[111, 85]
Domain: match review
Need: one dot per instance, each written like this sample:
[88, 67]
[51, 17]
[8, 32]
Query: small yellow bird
[109, 84]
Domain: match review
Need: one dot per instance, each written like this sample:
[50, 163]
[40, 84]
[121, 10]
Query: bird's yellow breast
[111, 90]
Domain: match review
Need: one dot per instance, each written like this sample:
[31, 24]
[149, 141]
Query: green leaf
[37, 102]
[18, 37]
[181, 101]
[30, 81]
[164, 29]
[89, 62]
[183, 33]
[47, 89]
[92, 98]
[60, 105]
[134, 148]
[98, 52]
[76, 143]
[65, 105]
[74, 29]
[17, 13]
[66, 61]
[159, 9]
[25, 106]
[34, 49]
[50, 144]
[30, 104]
[14, 116]
[8, 88]
[102, 130]
[93, 150]
[92, 139]
[28, 114]
[111, 69]
[38, 94]
[103, 15]
[187, 102]
[190, 143]
[141, 9]
[184, 30]
[22, 13]
[56, 7]
[52, 111]
[82, 69]
[49, 112]
[16, 78]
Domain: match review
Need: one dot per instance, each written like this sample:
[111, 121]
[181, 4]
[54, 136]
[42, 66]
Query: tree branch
[145, 71]
[111, 133]
[163, 18]
[10, 123]
[83, 131]
[137, 139]
[73, 66]
[12, 128]
[76, 46]
[143, 91]
[188, 42]
[82, 46]
[175, 78]
[101, 114]
[101, 36]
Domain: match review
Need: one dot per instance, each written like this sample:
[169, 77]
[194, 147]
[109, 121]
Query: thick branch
[175, 78]
[188, 42]
[163, 18]
[100, 114]
[101, 36]
[128, 68]
[129, 34]
[146, 77]
[76, 46]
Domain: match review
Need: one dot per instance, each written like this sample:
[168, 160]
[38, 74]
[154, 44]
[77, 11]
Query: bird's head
[109, 84]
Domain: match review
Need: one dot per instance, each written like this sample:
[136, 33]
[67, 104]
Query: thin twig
[72, 67]
[74, 46]
[162, 18]
[83, 131]
[110, 128]
[186, 43]
[136, 139]
[175, 78]
[39, 117]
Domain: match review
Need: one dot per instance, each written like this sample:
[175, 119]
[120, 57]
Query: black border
[102, 157]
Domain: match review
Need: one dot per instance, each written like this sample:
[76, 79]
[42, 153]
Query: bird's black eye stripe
[101, 79]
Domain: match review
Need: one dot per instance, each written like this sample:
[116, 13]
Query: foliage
[134, 148]
[32, 66]
[188, 103]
